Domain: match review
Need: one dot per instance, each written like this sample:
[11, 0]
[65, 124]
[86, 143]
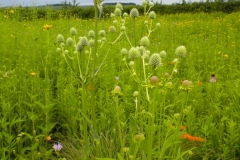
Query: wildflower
[139, 137]
[200, 83]
[166, 75]
[163, 54]
[135, 93]
[152, 15]
[11, 11]
[192, 138]
[57, 146]
[47, 26]
[153, 80]
[73, 31]
[33, 74]
[48, 138]
[117, 90]
[181, 51]
[91, 34]
[134, 13]
[134, 53]
[182, 127]
[155, 60]
[213, 78]
[186, 84]
[144, 41]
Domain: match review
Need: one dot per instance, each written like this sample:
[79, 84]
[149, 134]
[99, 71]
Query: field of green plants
[130, 87]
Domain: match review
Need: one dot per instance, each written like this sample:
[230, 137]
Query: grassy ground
[47, 96]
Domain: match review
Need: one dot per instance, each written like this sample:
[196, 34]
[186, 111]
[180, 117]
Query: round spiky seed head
[155, 60]
[134, 13]
[123, 28]
[79, 47]
[104, 39]
[112, 29]
[181, 51]
[73, 31]
[158, 24]
[69, 41]
[119, 6]
[152, 15]
[102, 33]
[146, 22]
[58, 50]
[84, 41]
[91, 34]
[91, 43]
[154, 80]
[134, 53]
[125, 14]
[60, 38]
[151, 4]
[186, 84]
[144, 41]
[124, 51]
[169, 84]
[144, 3]
[118, 12]
[163, 54]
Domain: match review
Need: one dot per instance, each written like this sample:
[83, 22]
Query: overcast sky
[82, 2]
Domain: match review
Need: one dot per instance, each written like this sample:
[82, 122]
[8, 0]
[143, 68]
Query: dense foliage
[60, 10]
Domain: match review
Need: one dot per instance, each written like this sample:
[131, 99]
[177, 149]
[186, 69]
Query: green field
[80, 95]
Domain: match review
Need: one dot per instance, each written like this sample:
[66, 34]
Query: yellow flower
[33, 73]
[47, 26]
[11, 11]
[48, 138]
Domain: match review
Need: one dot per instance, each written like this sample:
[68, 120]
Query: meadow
[127, 87]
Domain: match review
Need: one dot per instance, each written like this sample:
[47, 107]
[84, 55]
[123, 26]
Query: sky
[4, 3]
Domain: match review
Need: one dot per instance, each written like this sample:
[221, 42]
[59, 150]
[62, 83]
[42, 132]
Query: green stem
[127, 39]
[145, 78]
[119, 125]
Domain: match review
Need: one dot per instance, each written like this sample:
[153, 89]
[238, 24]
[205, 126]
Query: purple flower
[57, 146]
[213, 78]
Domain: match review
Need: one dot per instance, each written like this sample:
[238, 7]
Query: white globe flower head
[181, 51]
[151, 4]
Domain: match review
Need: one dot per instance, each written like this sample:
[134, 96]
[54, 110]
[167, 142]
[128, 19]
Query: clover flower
[57, 146]
[213, 78]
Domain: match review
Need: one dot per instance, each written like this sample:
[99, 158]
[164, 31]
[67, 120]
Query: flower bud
[158, 24]
[135, 93]
[124, 51]
[166, 75]
[69, 41]
[112, 29]
[134, 53]
[144, 3]
[134, 13]
[118, 12]
[119, 6]
[73, 31]
[91, 34]
[125, 14]
[58, 50]
[91, 43]
[123, 28]
[144, 41]
[102, 33]
[163, 54]
[131, 64]
[151, 4]
[79, 47]
[60, 38]
[84, 41]
[139, 137]
[181, 51]
[152, 15]
[155, 60]
[153, 80]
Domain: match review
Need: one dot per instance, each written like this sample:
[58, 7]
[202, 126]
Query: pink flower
[213, 78]
[57, 146]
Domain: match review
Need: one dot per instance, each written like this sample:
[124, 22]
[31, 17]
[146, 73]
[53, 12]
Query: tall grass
[100, 104]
